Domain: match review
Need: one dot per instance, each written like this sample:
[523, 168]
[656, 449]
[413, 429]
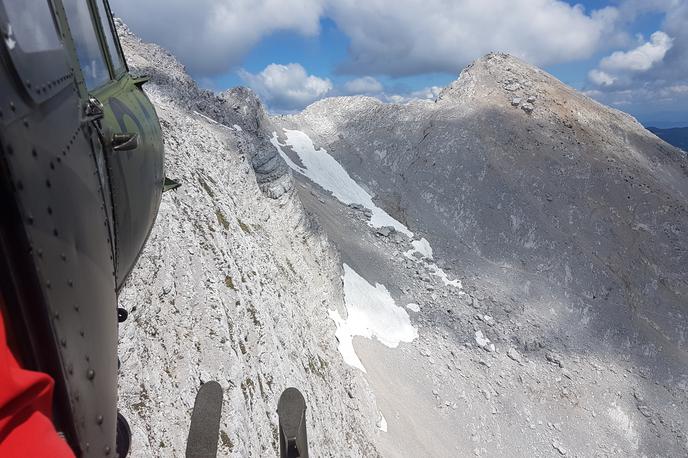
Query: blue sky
[630, 54]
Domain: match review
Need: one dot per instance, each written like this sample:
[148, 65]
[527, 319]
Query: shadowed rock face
[527, 186]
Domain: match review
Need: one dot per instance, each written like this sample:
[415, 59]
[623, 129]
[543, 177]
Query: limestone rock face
[555, 197]
[543, 258]
[235, 107]
[566, 223]
[234, 285]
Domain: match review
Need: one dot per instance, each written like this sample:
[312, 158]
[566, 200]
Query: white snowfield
[413, 307]
[371, 312]
[423, 248]
[324, 170]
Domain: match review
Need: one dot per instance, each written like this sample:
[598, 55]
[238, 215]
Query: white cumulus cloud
[428, 93]
[364, 85]
[421, 36]
[642, 58]
[212, 36]
[601, 78]
[287, 87]
[400, 37]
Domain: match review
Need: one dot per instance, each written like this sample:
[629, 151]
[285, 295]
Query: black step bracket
[205, 422]
[291, 409]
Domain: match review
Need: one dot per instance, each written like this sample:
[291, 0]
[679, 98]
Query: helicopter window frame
[99, 82]
[35, 35]
[33, 65]
[109, 39]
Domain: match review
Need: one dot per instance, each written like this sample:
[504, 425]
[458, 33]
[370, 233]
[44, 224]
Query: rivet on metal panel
[48, 284]
[70, 283]
[55, 233]
[34, 153]
[28, 84]
[12, 107]
[63, 257]
[26, 123]
[107, 450]
[57, 315]
[90, 374]
[76, 308]
[47, 183]
[63, 342]
[70, 369]
[50, 211]
[82, 333]
[99, 420]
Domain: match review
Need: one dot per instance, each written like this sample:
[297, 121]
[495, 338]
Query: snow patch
[413, 307]
[435, 270]
[483, 342]
[324, 170]
[382, 423]
[210, 120]
[371, 312]
[421, 247]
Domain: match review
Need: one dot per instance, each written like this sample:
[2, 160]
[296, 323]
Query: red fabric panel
[26, 429]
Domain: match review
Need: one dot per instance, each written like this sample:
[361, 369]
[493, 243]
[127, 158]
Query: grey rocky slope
[234, 285]
[566, 221]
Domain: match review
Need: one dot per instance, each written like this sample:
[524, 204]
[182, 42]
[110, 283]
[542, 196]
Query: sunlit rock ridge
[499, 272]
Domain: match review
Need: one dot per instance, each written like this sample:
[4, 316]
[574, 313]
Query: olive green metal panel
[136, 175]
[56, 252]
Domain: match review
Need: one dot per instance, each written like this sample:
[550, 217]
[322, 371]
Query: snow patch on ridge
[323, 169]
[421, 247]
[207, 118]
[413, 307]
[371, 312]
[382, 423]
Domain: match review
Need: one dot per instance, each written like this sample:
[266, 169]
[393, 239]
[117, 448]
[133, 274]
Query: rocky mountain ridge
[234, 285]
[563, 219]
[526, 240]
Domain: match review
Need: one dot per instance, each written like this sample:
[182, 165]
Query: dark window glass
[88, 49]
[32, 25]
[113, 50]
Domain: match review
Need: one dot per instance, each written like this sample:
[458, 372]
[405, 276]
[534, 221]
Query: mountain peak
[498, 71]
